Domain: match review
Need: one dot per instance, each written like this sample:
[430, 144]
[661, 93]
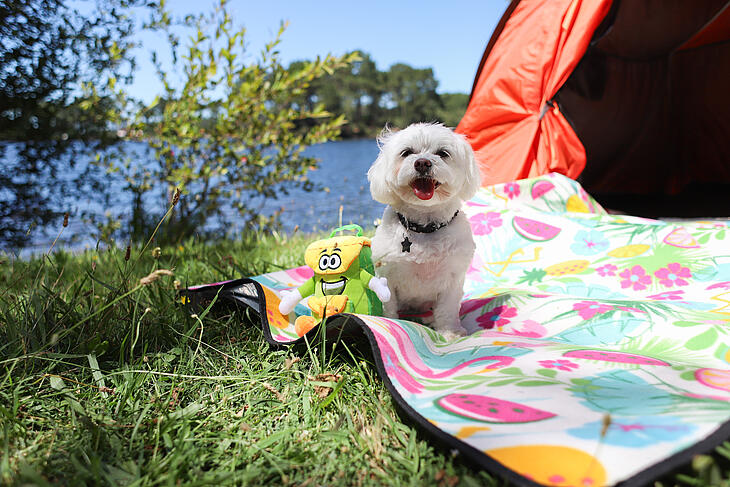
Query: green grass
[105, 381]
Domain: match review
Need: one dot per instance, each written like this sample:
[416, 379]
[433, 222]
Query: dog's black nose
[422, 165]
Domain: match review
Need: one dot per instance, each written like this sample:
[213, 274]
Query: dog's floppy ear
[380, 170]
[473, 178]
[378, 177]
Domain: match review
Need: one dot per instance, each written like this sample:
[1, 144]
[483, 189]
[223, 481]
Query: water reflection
[342, 174]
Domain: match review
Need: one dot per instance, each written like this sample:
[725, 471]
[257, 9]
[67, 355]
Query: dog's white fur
[432, 274]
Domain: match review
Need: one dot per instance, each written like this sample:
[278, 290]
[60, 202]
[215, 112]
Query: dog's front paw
[452, 335]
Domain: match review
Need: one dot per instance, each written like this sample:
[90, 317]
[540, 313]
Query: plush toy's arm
[290, 299]
[379, 285]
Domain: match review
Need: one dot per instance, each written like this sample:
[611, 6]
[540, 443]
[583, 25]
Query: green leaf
[704, 340]
[96, 373]
[187, 412]
[512, 371]
[57, 383]
[704, 238]
[154, 102]
[330, 397]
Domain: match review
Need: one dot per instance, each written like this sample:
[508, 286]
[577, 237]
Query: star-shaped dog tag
[406, 244]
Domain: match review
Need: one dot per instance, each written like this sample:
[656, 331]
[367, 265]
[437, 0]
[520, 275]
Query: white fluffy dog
[424, 245]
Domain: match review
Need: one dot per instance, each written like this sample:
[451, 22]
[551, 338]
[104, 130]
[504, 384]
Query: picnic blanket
[597, 349]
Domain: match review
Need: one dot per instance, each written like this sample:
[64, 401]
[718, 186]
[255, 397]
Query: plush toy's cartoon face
[335, 260]
[333, 255]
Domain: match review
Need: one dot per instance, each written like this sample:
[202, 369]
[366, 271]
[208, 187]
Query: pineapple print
[568, 267]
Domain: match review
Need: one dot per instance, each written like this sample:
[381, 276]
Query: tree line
[369, 97]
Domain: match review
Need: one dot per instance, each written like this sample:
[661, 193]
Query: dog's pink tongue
[424, 188]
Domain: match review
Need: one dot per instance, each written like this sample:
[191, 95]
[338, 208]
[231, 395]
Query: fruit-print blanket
[597, 349]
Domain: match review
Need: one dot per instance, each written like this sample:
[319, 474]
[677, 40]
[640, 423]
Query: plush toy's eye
[335, 261]
[406, 152]
[324, 262]
[443, 153]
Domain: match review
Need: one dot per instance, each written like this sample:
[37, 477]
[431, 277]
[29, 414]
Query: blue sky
[449, 37]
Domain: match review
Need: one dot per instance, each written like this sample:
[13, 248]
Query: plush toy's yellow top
[334, 255]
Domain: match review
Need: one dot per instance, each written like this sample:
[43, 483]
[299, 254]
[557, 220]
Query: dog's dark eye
[442, 153]
[407, 152]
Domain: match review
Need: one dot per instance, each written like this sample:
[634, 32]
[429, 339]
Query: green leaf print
[684, 324]
[569, 280]
[547, 372]
[723, 352]
[512, 371]
[704, 238]
[531, 277]
[688, 375]
[704, 340]
[630, 231]
[536, 383]
[503, 382]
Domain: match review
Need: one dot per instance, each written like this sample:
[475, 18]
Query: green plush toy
[343, 280]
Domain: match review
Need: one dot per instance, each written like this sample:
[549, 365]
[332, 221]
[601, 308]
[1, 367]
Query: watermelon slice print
[681, 238]
[490, 409]
[534, 230]
[715, 378]
[616, 357]
[540, 188]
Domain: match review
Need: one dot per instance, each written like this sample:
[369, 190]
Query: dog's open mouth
[424, 188]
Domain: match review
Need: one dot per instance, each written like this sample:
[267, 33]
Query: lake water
[342, 171]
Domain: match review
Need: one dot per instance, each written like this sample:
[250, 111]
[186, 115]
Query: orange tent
[628, 97]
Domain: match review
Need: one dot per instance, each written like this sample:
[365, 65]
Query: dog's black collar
[428, 228]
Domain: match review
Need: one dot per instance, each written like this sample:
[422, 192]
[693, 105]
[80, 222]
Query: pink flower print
[635, 278]
[668, 296]
[497, 317]
[558, 364]
[672, 275]
[589, 309]
[483, 223]
[607, 270]
[512, 190]
[530, 329]
[469, 305]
